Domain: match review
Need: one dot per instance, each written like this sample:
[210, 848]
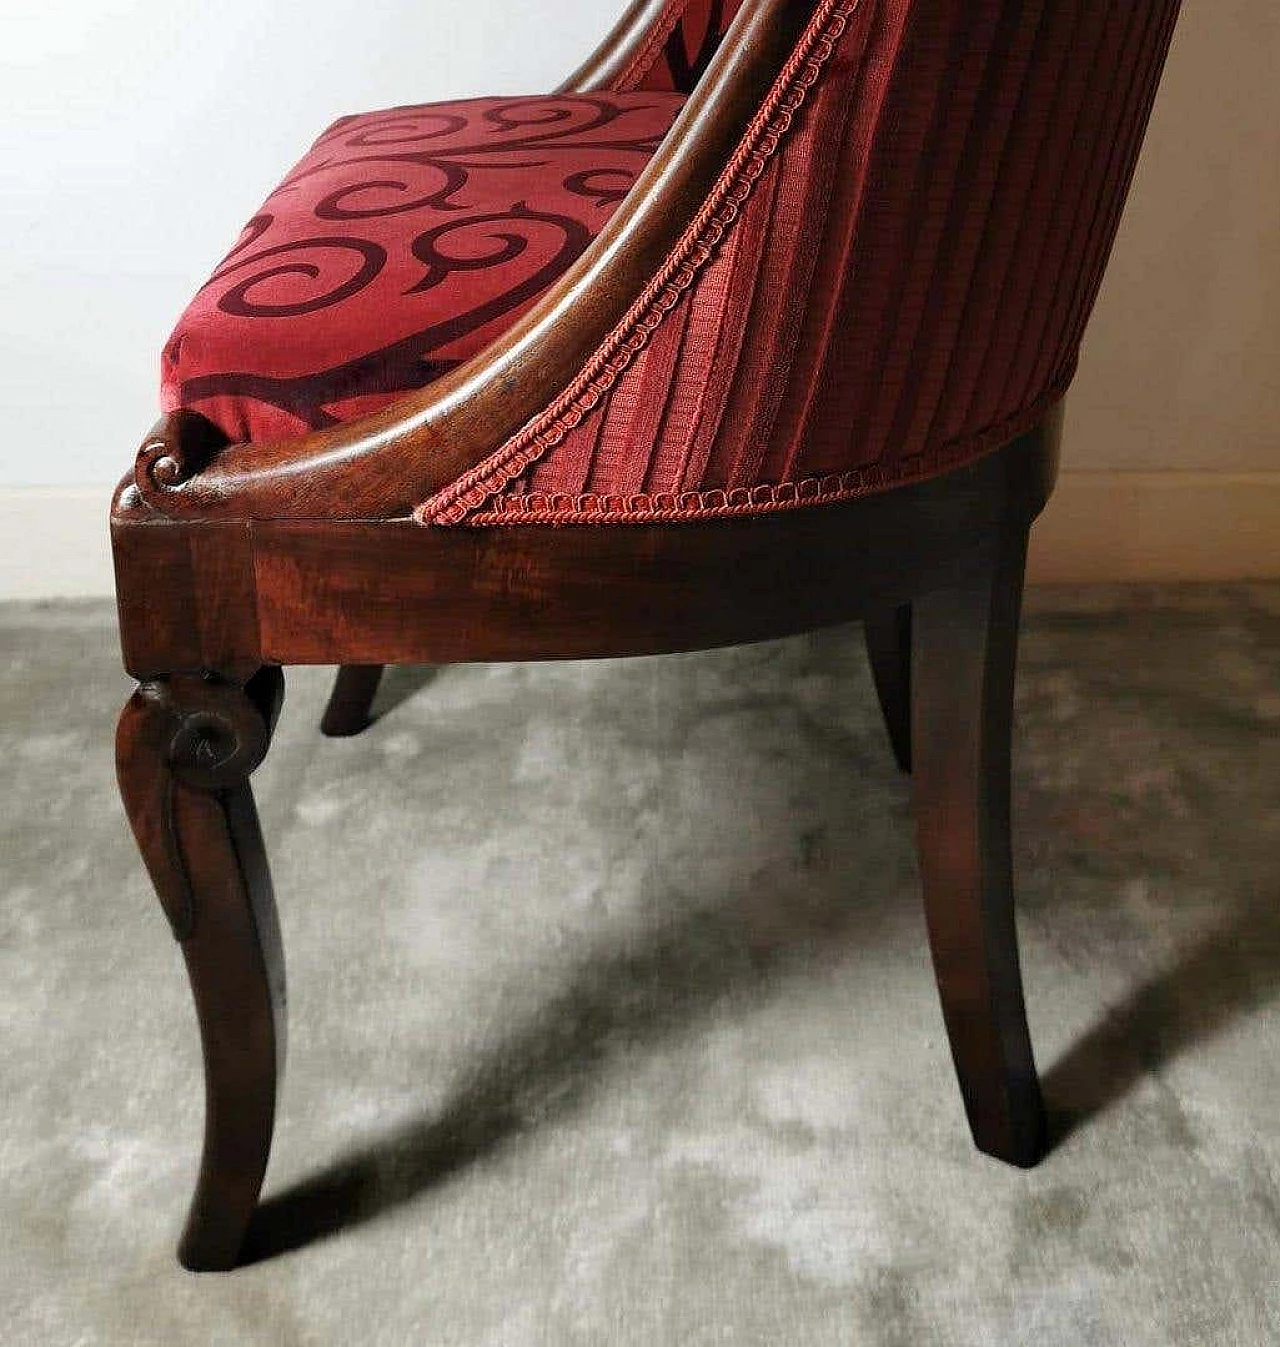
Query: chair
[761, 323]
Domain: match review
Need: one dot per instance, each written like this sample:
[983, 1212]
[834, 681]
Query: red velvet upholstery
[402, 244]
[892, 275]
[904, 287]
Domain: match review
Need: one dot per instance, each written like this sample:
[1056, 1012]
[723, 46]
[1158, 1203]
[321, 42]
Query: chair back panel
[907, 285]
[690, 32]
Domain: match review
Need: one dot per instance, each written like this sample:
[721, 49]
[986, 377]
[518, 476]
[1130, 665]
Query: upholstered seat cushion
[402, 244]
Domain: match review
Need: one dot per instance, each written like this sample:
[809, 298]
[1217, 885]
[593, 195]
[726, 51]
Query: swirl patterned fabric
[402, 244]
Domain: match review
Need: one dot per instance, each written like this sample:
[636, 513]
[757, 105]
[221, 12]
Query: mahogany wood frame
[232, 562]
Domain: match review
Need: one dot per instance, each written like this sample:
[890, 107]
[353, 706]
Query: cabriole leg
[964, 641]
[185, 749]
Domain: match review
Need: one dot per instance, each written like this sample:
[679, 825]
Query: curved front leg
[184, 751]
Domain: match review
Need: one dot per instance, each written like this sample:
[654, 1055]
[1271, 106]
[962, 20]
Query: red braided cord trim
[647, 57]
[668, 507]
[692, 252]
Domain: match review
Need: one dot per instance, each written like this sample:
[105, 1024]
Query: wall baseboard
[54, 543]
[1100, 528]
[1135, 527]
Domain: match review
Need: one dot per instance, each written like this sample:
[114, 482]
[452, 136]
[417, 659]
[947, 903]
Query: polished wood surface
[184, 751]
[351, 700]
[205, 605]
[964, 647]
[622, 44]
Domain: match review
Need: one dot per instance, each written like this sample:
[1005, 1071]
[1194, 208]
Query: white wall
[136, 136]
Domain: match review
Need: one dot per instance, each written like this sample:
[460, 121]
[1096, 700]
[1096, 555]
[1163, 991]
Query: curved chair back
[682, 45]
[907, 282]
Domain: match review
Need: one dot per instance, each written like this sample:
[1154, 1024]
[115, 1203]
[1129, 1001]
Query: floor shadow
[1229, 972]
[400, 683]
[741, 949]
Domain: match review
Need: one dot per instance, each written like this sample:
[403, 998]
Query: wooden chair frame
[233, 561]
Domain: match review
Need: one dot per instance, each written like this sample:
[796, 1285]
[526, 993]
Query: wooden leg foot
[964, 641]
[185, 748]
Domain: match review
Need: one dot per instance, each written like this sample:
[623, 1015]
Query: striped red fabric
[681, 45]
[905, 287]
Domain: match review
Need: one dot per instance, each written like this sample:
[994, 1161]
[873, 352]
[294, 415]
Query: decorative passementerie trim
[591, 507]
[651, 51]
[690, 255]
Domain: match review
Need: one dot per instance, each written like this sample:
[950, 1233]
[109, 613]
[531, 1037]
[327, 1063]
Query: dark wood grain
[394, 592]
[964, 647]
[202, 602]
[185, 749]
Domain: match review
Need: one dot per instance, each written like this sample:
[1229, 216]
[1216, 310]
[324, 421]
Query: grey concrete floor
[611, 1015]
